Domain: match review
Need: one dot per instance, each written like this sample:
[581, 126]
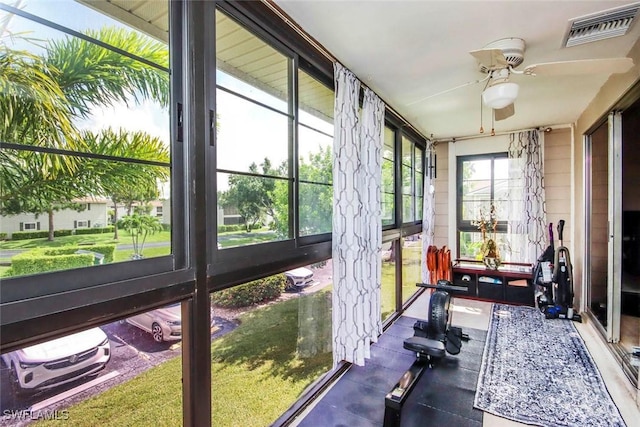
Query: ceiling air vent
[602, 25]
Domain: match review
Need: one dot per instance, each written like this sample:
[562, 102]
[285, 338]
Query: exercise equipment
[431, 340]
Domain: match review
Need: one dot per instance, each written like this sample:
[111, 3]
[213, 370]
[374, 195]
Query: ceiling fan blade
[504, 113]
[584, 66]
[451, 89]
[490, 58]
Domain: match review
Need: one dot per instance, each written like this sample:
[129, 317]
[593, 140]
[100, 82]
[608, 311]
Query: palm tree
[139, 227]
[42, 95]
[122, 181]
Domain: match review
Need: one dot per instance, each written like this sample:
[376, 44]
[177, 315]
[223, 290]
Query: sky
[246, 133]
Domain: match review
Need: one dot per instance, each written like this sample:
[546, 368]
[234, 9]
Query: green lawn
[83, 239]
[257, 372]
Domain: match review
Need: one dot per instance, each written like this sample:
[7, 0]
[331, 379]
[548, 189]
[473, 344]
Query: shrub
[51, 259]
[3, 236]
[61, 233]
[230, 228]
[40, 260]
[261, 290]
[26, 235]
[94, 230]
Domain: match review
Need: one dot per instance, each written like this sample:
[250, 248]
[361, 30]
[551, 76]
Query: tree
[315, 196]
[42, 95]
[139, 227]
[127, 183]
[251, 195]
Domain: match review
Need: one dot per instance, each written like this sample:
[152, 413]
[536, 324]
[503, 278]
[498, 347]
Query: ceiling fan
[499, 59]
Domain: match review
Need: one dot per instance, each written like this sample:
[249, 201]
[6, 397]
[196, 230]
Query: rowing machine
[431, 340]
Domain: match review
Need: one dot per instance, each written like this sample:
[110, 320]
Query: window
[100, 138]
[159, 211]
[388, 178]
[106, 136]
[284, 340]
[315, 159]
[254, 116]
[412, 181]
[29, 226]
[482, 182]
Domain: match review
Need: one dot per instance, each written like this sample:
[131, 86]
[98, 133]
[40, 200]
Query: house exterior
[94, 214]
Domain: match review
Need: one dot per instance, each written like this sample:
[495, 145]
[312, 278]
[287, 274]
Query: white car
[164, 324]
[59, 361]
[298, 278]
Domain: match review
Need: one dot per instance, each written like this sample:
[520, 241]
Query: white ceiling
[409, 50]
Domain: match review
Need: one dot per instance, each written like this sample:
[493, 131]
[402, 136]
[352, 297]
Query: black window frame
[103, 292]
[463, 226]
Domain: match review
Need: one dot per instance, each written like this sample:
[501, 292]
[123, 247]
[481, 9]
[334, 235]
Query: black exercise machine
[431, 340]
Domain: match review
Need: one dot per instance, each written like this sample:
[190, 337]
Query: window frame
[463, 226]
[110, 289]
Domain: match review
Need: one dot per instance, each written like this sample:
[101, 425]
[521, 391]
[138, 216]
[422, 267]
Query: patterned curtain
[428, 209]
[528, 215]
[357, 220]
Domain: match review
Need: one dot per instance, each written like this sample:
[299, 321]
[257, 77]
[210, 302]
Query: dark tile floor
[443, 396]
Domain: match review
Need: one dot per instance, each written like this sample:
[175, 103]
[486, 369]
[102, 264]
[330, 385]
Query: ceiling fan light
[500, 95]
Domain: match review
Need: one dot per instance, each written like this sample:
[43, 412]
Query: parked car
[298, 278]
[59, 361]
[164, 324]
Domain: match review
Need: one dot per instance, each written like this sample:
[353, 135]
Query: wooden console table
[511, 284]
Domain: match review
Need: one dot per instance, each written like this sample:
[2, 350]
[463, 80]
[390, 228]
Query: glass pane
[474, 210]
[316, 209]
[501, 168]
[109, 370]
[315, 163]
[250, 137]
[418, 159]
[107, 100]
[280, 335]
[248, 66]
[388, 209]
[315, 103]
[407, 182]
[407, 151]
[471, 246]
[408, 214]
[252, 210]
[388, 176]
[389, 144]
[411, 265]
[388, 289]
[419, 184]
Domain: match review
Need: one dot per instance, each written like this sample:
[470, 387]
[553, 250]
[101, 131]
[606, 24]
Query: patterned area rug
[538, 371]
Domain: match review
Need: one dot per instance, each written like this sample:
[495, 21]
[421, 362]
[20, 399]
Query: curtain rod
[324, 52]
[505, 132]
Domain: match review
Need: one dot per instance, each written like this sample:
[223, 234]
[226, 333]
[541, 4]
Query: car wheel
[15, 383]
[290, 286]
[156, 331]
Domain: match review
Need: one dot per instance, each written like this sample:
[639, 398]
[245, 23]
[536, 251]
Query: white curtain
[357, 221]
[528, 216]
[428, 209]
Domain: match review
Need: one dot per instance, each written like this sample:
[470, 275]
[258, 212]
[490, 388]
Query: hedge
[3, 236]
[262, 290]
[94, 230]
[51, 259]
[25, 235]
[231, 227]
